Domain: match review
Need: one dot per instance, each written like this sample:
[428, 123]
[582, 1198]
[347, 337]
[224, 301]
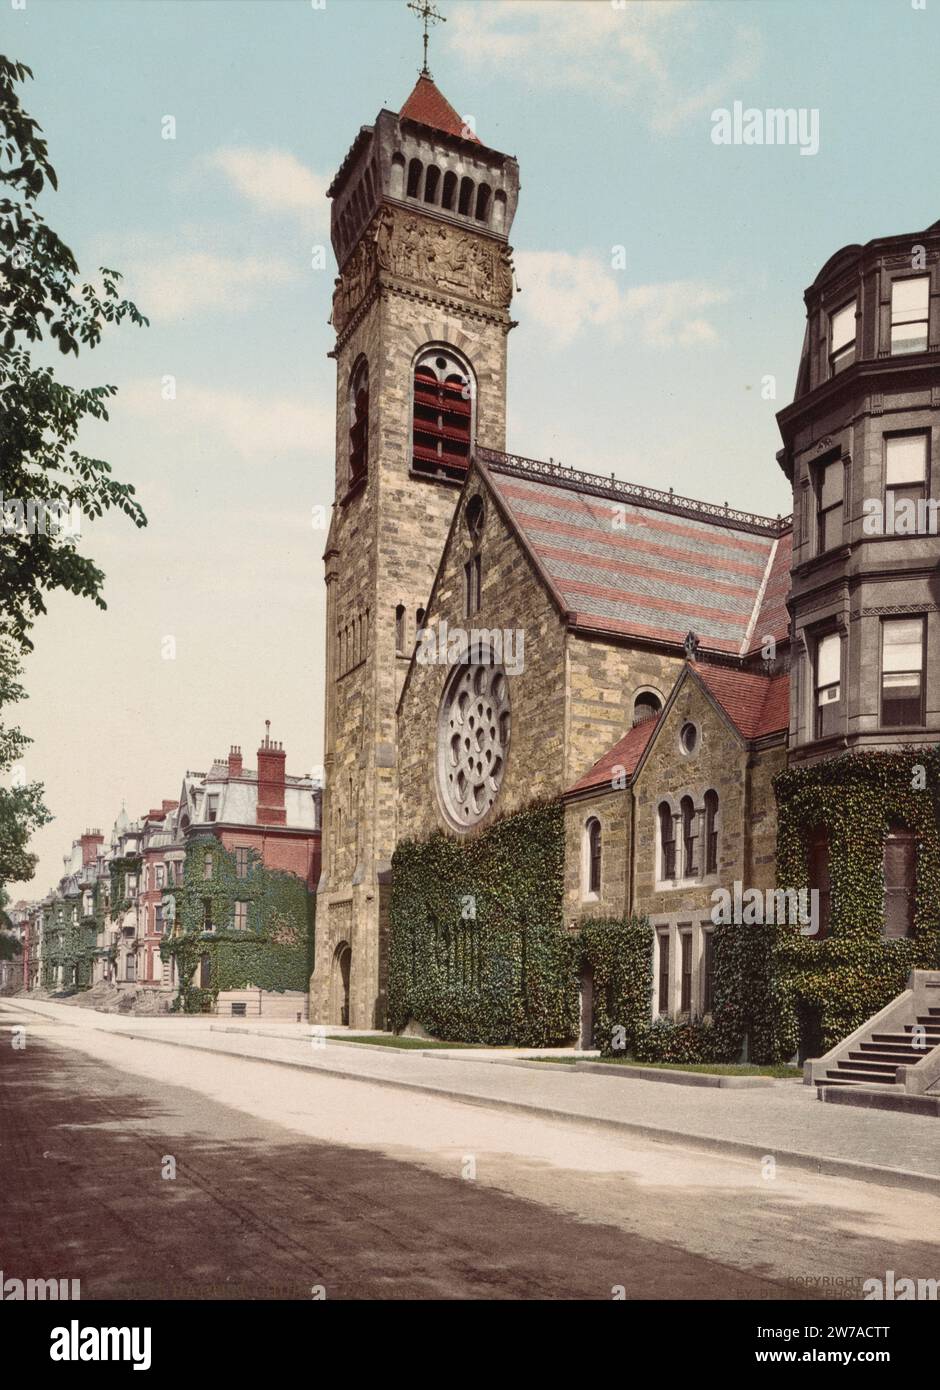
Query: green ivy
[786, 992]
[274, 951]
[478, 952]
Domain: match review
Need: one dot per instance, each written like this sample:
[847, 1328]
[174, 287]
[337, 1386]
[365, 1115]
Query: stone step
[894, 1058]
[866, 1078]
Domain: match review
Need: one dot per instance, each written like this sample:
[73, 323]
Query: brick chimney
[169, 806]
[234, 761]
[90, 842]
[271, 759]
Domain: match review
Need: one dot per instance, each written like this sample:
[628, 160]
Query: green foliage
[478, 952]
[620, 954]
[22, 810]
[783, 989]
[273, 951]
[41, 417]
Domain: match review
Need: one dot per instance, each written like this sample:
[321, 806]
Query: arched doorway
[339, 984]
[586, 984]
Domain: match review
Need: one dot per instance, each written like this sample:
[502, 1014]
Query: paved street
[287, 1179]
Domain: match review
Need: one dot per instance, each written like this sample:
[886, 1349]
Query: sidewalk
[784, 1121]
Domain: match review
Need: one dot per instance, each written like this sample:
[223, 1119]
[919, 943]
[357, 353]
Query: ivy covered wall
[273, 950]
[477, 948]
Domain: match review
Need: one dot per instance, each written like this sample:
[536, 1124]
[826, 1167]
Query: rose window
[473, 741]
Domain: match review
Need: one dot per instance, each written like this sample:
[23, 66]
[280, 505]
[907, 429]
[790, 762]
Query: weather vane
[426, 11]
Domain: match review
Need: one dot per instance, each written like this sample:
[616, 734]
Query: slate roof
[622, 566]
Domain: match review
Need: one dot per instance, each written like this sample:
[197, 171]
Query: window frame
[835, 355]
[820, 468]
[818, 731]
[903, 618]
[891, 489]
[903, 280]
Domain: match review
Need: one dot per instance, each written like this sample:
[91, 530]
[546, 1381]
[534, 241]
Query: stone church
[503, 631]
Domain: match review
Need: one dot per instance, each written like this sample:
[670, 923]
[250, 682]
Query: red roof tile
[757, 705]
[430, 107]
[622, 758]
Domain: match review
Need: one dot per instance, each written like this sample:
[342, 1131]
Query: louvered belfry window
[443, 414]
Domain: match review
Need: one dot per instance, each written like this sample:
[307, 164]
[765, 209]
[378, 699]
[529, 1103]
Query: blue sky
[652, 371]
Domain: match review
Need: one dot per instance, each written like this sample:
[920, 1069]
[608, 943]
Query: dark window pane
[664, 974]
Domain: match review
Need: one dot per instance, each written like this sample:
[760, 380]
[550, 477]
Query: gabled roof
[627, 566]
[757, 705]
[622, 758]
[428, 105]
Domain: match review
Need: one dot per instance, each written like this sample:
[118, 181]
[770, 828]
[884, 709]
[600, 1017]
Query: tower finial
[426, 11]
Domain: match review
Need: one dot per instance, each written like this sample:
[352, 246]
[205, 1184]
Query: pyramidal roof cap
[428, 105]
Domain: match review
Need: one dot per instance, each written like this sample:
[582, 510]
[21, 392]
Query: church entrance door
[339, 985]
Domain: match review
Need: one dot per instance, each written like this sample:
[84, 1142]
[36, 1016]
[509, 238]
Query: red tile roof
[620, 759]
[757, 705]
[430, 107]
[626, 566]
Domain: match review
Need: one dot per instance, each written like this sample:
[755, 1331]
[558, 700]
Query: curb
[880, 1100]
[812, 1163]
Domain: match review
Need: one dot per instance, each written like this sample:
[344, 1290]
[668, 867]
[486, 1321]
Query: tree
[21, 806]
[44, 478]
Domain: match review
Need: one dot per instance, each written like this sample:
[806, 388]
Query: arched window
[647, 705]
[449, 195]
[667, 839]
[466, 196]
[473, 568]
[711, 832]
[819, 876]
[400, 630]
[419, 619]
[397, 186]
[483, 202]
[499, 211]
[443, 413]
[414, 178]
[689, 837]
[900, 865]
[431, 180]
[359, 421]
[592, 856]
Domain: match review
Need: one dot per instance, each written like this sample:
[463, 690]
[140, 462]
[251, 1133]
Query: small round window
[688, 737]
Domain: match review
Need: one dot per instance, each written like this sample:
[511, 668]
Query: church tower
[420, 222]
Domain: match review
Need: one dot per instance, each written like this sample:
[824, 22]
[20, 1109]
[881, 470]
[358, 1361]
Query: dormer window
[443, 414]
[842, 338]
[359, 421]
[910, 300]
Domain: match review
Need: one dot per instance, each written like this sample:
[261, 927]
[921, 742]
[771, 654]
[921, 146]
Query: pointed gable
[428, 105]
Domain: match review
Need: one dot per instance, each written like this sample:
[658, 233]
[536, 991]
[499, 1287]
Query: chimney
[90, 842]
[234, 761]
[271, 758]
[169, 806]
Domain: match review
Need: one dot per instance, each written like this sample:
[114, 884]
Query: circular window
[472, 742]
[688, 737]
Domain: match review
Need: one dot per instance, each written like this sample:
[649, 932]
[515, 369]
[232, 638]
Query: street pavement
[330, 1174]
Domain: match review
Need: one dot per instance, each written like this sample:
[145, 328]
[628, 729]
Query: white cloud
[568, 294]
[274, 181]
[255, 428]
[635, 52]
[170, 284]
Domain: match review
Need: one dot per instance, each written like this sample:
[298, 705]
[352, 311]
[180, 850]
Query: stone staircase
[898, 1050]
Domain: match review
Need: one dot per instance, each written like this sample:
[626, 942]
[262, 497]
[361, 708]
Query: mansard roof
[428, 105]
[627, 560]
